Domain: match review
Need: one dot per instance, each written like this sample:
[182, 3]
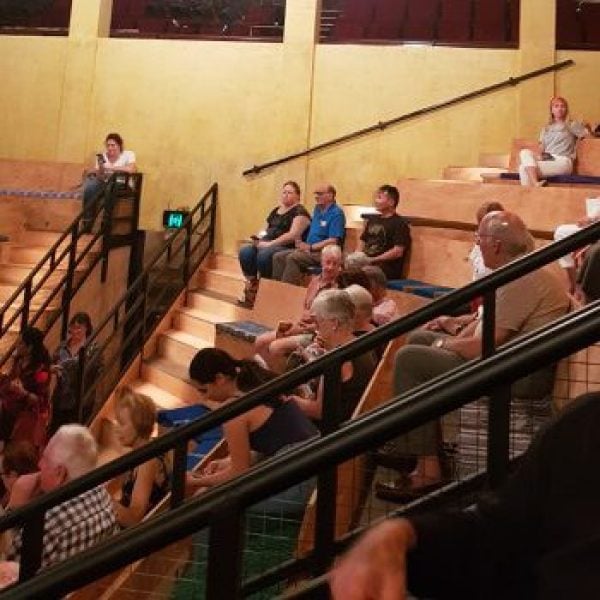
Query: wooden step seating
[586, 171]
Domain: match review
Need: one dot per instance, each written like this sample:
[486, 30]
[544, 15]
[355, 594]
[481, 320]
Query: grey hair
[334, 304]
[332, 250]
[356, 260]
[361, 298]
[74, 447]
[376, 276]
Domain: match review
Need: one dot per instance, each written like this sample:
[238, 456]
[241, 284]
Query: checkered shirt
[73, 526]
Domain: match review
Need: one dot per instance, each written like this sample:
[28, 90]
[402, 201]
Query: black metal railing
[488, 376]
[121, 335]
[34, 297]
[382, 125]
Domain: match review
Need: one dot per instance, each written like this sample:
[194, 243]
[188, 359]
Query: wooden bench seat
[586, 168]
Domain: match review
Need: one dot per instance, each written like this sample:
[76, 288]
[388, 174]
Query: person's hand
[375, 568]
[282, 328]
[300, 245]
[443, 323]
[263, 244]
[218, 464]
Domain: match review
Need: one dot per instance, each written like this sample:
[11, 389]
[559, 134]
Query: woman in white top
[114, 158]
[557, 146]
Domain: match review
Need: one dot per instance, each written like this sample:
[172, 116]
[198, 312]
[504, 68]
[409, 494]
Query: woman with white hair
[276, 346]
[333, 313]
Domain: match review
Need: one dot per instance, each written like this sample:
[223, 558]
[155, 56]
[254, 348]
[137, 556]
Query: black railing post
[498, 404]
[26, 304]
[32, 545]
[187, 246]
[68, 288]
[213, 213]
[80, 379]
[225, 553]
[178, 475]
[327, 478]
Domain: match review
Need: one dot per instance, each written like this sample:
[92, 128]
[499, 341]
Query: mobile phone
[100, 159]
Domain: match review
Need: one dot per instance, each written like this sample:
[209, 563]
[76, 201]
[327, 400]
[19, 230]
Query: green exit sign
[173, 219]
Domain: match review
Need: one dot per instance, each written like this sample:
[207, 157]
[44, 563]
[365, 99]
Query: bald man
[446, 343]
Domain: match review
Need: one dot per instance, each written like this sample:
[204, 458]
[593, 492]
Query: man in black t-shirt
[386, 236]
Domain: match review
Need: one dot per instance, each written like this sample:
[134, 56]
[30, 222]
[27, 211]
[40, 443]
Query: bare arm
[140, 496]
[236, 435]
[469, 347]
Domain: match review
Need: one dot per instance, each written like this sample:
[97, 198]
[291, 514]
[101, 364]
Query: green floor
[269, 541]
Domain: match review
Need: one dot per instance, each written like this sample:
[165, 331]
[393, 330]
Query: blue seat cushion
[246, 330]
[565, 179]
[418, 288]
[177, 417]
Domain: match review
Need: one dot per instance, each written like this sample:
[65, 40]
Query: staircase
[189, 327]
[18, 258]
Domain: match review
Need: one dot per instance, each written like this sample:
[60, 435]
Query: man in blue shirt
[328, 226]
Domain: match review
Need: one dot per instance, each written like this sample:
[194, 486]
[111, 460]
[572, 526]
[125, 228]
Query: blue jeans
[258, 261]
[92, 187]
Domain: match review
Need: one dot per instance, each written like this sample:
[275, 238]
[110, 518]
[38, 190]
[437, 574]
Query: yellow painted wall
[197, 112]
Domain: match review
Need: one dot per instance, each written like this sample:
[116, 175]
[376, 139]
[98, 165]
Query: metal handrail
[50, 263]
[178, 439]
[135, 298]
[381, 125]
[401, 414]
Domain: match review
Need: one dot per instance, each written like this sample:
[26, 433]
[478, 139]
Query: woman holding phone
[286, 224]
[114, 158]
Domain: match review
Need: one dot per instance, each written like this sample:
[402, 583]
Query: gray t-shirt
[560, 138]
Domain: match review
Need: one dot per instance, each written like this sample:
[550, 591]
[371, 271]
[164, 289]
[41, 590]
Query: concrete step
[171, 377]
[190, 321]
[180, 347]
[214, 309]
[163, 399]
[224, 282]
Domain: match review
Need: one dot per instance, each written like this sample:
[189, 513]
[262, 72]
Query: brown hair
[142, 410]
[20, 458]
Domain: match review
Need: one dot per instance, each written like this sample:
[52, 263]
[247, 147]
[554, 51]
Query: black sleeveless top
[278, 224]
[159, 488]
[286, 425]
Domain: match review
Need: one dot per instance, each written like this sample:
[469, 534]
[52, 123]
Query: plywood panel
[540, 208]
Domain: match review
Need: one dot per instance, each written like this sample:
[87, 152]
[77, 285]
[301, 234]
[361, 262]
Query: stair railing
[121, 335]
[221, 508]
[65, 253]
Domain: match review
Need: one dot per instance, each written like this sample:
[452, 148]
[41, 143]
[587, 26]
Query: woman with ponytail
[263, 431]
